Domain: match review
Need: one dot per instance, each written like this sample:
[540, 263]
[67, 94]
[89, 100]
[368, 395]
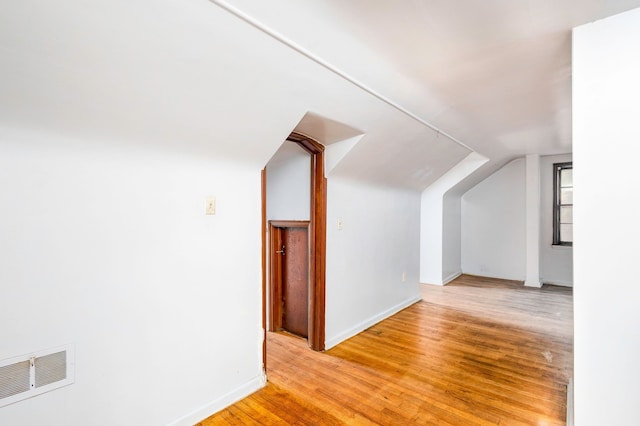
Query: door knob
[281, 251]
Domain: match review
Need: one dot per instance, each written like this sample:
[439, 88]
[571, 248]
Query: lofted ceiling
[494, 74]
[424, 82]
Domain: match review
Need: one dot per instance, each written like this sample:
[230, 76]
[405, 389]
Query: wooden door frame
[263, 229]
[275, 269]
[317, 243]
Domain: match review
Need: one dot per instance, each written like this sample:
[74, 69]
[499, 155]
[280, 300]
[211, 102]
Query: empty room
[321, 212]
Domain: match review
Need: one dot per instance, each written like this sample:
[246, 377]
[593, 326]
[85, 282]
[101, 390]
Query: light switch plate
[210, 206]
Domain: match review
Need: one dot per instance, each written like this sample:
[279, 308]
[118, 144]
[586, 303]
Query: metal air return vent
[33, 374]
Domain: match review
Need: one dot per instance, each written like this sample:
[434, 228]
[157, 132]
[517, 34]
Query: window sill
[561, 247]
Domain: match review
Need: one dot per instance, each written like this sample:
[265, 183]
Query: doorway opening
[276, 312]
[289, 277]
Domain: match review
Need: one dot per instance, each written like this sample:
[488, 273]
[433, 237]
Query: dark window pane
[563, 203]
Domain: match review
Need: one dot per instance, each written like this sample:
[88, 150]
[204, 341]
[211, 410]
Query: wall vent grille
[33, 374]
[14, 379]
[51, 368]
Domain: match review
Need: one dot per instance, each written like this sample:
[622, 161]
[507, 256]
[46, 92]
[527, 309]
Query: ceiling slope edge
[338, 138]
[315, 58]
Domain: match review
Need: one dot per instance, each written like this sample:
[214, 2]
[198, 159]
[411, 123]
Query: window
[563, 204]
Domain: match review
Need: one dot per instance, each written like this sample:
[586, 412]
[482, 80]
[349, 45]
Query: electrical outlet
[210, 206]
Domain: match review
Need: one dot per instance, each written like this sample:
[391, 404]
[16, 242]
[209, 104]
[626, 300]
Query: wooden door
[295, 281]
[290, 277]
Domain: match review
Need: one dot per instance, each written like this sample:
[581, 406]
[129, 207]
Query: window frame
[557, 170]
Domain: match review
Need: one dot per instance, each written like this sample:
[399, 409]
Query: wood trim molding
[275, 278]
[263, 226]
[289, 223]
[307, 143]
[317, 240]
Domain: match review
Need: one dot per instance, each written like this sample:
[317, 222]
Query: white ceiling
[494, 74]
[190, 77]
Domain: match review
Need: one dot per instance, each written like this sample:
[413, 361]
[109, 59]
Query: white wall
[452, 232]
[606, 89]
[532, 221]
[431, 235]
[366, 259]
[493, 225]
[495, 213]
[289, 183]
[108, 248]
[182, 102]
[556, 262]
[145, 283]
[440, 226]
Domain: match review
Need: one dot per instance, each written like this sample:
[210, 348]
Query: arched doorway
[317, 249]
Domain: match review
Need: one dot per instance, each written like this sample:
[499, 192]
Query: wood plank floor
[476, 352]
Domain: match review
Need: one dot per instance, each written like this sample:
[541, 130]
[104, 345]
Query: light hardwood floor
[478, 351]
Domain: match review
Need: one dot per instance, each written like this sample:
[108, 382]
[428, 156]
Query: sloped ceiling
[494, 74]
[208, 77]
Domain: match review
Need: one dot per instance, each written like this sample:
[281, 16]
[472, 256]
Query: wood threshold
[289, 223]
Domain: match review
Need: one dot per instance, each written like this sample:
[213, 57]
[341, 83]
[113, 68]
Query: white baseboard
[446, 280]
[570, 419]
[426, 283]
[221, 403]
[451, 277]
[560, 283]
[341, 337]
[486, 275]
[536, 284]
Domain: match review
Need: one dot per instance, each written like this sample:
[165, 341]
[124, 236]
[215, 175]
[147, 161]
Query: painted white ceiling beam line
[496, 74]
[193, 79]
[310, 55]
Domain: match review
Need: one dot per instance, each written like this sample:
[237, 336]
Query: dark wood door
[295, 281]
[289, 277]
